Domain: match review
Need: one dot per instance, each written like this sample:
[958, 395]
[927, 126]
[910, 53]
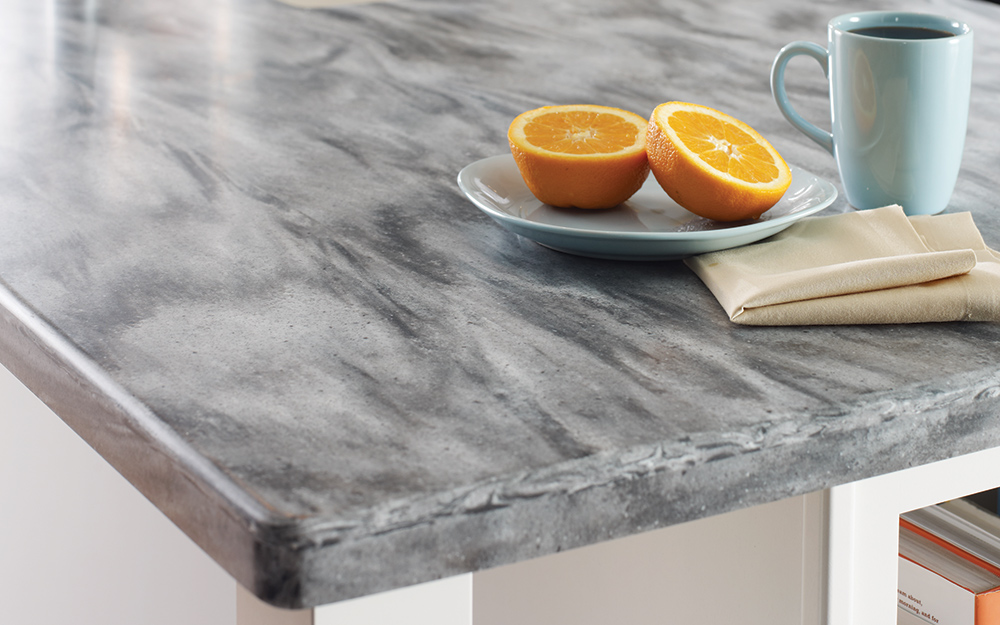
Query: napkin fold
[864, 267]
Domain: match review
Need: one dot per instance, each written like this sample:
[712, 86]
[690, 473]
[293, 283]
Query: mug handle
[822, 137]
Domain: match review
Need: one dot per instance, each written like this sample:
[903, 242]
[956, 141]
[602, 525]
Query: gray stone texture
[235, 260]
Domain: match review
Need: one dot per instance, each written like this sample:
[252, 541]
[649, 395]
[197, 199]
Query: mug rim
[843, 24]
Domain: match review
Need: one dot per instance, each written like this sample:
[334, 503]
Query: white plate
[649, 226]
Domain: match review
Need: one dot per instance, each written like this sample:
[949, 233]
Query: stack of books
[949, 565]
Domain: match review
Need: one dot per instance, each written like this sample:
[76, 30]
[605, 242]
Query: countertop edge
[296, 563]
[236, 530]
[510, 524]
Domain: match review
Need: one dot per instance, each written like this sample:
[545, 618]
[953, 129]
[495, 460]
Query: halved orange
[713, 164]
[580, 155]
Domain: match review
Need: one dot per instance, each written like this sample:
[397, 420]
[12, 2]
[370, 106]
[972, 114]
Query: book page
[933, 599]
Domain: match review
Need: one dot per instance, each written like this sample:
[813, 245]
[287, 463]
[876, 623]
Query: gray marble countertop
[234, 258]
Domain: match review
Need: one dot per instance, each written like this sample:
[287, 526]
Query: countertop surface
[235, 260]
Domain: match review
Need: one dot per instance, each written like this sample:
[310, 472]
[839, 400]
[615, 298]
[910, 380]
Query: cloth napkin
[864, 267]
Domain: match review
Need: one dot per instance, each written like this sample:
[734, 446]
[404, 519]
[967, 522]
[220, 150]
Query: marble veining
[235, 260]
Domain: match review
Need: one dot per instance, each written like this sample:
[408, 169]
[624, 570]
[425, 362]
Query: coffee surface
[902, 32]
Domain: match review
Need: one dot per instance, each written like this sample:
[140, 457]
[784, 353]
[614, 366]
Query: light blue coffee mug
[899, 104]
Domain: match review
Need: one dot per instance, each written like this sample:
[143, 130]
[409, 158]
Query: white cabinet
[864, 530]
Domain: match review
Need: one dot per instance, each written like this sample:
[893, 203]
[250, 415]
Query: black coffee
[902, 32]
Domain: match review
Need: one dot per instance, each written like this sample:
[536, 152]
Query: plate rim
[472, 195]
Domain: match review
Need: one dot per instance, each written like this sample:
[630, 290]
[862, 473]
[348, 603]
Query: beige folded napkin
[872, 266]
